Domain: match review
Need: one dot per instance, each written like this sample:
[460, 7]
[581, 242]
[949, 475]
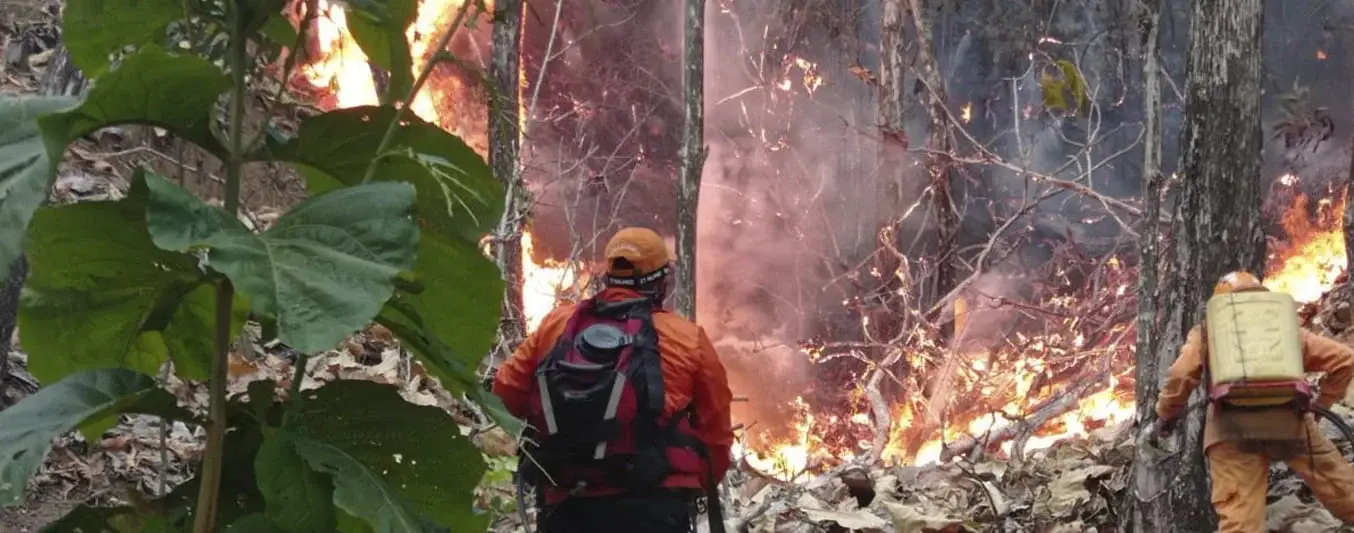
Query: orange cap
[1239, 281]
[642, 247]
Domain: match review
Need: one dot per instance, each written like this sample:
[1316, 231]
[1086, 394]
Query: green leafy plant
[388, 235]
[1064, 90]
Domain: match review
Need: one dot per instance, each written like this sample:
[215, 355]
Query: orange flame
[545, 283]
[1315, 253]
[342, 66]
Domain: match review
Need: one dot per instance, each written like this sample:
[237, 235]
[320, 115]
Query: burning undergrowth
[1023, 369]
[807, 283]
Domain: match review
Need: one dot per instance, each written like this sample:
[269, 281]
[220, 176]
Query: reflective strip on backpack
[612, 405]
[550, 426]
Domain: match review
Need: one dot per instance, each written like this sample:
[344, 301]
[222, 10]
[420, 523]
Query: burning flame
[342, 67]
[544, 283]
[1315, 253]
[1306, 268]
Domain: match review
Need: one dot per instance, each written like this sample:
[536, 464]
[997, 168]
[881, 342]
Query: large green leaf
[457, 192]
[95, 29]
[27, 429]
[321, 271]
[151, 87]
[101, 294]
[379, 28]
[26, 169]
[86, 519]
[460, 300]
[350, 524]
[456, 370]
[458, 202]
[239, 492]
[258, 523]
[399, 466]
[299, 500]
[266, 16]
[189, 335]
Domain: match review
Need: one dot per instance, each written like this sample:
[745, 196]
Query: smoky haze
[790, 204]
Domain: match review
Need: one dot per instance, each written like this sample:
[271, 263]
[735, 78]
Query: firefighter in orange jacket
[1241, 443]
[582, 381]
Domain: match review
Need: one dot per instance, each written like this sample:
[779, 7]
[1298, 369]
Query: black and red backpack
[596, 424]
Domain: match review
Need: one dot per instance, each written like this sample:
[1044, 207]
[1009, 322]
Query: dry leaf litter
[1076, 485]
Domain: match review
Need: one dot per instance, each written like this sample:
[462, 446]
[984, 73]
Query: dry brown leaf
[860, 519]
[497, 443]
[908, 519]
[1292, 515]
[1068, 491]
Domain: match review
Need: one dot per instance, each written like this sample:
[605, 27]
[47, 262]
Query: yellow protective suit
[1240, 478]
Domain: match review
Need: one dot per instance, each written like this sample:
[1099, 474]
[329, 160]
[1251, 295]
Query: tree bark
[693, 157]
[1147, 369]
[505, 143]
[1349, 223]
[892, 103]
[938, 159]
[61, 78]
[1216, 229]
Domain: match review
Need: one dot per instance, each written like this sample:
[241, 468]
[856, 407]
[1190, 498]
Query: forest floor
[1076, 485]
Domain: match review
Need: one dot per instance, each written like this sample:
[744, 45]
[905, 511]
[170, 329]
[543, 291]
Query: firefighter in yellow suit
[1241, 443]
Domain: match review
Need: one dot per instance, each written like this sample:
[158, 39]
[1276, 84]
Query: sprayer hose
[1337, 420]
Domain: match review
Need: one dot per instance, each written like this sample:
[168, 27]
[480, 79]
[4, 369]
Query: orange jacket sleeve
[1183, 378]
[514, 379]
[713, 401]
[1321, 354]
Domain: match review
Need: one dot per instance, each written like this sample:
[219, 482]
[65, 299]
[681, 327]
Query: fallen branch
[879, 408]
[1022, 430]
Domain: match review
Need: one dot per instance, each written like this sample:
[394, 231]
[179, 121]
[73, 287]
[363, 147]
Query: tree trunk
[941, 279]
[61, 78]
[1217, 228]
[938, 159]
[693, 156]
[1349, 223]
[892, 104]
[505, 143]
[1147, 370]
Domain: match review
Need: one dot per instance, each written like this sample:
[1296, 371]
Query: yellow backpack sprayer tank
[1255, 349]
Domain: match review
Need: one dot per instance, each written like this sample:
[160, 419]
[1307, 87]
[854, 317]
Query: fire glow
[341, 66]
[1306, 267]
[1315, 251]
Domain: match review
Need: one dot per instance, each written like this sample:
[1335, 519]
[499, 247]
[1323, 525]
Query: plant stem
[298, 376]
[298, 50]
[209, 492]
[423, 76]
